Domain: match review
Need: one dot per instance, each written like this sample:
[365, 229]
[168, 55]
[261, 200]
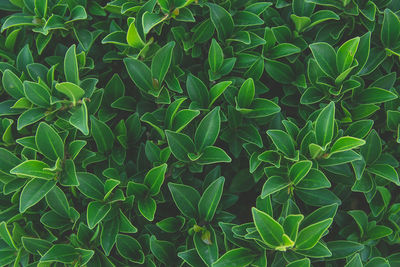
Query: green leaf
[171, 224]
[75, 147]
[361, 218]
[215, 56]
[318, 251]
[325, 56]
[209, 201]
[217, 90]
[212, 154]
[321, 16]
[299, 170]
[180, 144]
[36, 245]
[192, 258]
[208, 129]
[129, 248]
[172, 111]
[359, 129]
[374, 95]
[7, 161]
[183, 118]
[390, 33]
[125, 225]
[96, 211]
[283, 50]
[37, 94]
[33, 192]
[346, 143]
[280, 72]
[58, 202]
[378, 261]
[310, 235]
[6, 236]
[372, 149]
[71, 70]
[54, 221]
[90, 185]
[79, 118]
[147, 207]
[60, 253]
[108, 236]
[41, 8]
[345, 54]
[282, 141]
[385, 171]
[300, 263]
[206, 245]
[33, 169]
[300, 22]
[133, 38]
[355, 261]
[117, 38]
[49, 142]
[197, 91]
[30, 116]
[363, 51]
[24, 58]
[14, 21]
[102, 134]
[324, 125]
[235, 258]
[291, 225]
[246, 93]
[164, 251]
[270, 230]
[245, 18]
[315, 179]
[261, 108]
[342, 248]
[150, 20]
[12, 84]
[71, 90]
[186, 198]
[161, 62]
[272, 185]
[378, 232]
[320, 197]
[140, 74]
[154, 179]
[222, 21]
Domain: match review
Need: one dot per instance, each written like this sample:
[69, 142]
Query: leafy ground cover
[199, 133]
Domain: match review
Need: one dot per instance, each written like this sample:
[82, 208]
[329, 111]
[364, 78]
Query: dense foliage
[199, 133]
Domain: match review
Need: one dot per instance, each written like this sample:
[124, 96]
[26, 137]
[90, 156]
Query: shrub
[199, 133]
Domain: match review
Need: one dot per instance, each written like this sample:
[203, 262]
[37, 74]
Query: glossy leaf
[215, 56]
[270, 230]
[161, 62]
[208, 130]
[324, 125]
[33, 192]
[71, 70]
[209, 201]
[49, 142]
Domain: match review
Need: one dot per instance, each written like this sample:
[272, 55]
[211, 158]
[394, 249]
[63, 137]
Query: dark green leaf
[209, 201]
[33, 192]
[186, 198]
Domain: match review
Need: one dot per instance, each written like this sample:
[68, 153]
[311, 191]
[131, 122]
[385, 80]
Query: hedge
[215, 133]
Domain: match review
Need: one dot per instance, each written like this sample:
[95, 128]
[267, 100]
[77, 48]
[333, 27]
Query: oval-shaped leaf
[210, 199]
[33, 192]
[49, 142]
[208, 129]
